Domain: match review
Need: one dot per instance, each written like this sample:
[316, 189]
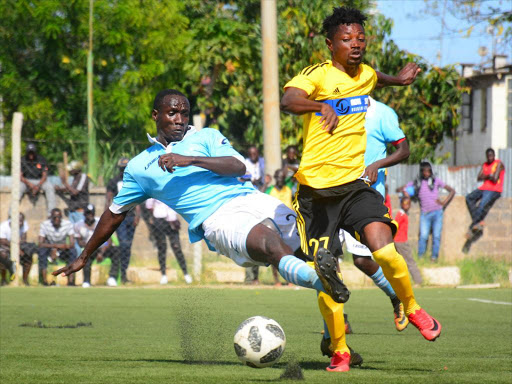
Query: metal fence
[463, 179]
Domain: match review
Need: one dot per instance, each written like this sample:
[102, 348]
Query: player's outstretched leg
[326, 266]
[395, 270]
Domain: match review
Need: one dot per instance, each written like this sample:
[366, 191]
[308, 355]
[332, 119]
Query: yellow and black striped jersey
[338, 158]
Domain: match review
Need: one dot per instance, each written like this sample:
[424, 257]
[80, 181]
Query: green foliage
[211, 50]
[484, 270]
[138, 50]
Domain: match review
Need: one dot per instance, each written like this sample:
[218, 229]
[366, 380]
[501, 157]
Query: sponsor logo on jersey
[347, 105]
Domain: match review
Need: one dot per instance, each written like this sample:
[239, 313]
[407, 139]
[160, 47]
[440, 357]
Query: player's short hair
[342, 15]
[160, 96]
[490, 150]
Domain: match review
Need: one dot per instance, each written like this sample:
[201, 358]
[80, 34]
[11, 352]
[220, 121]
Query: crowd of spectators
[64, 234]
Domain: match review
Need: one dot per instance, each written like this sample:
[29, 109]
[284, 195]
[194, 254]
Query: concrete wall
[496, 241]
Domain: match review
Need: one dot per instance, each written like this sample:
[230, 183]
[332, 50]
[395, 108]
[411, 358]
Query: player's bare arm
[405, 77]
[402, 152]
[296, 101]
[108, 223]
[222, 165]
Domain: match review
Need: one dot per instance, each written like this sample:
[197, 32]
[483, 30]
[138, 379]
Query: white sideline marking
[490, 301]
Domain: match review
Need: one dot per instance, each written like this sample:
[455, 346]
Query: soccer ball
[259, 342]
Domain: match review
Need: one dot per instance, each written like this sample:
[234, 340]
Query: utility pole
[17, 123]
[271, 112]
[92, 168]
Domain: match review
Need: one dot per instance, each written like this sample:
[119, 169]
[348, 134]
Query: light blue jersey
[194, 192]
[381, 128]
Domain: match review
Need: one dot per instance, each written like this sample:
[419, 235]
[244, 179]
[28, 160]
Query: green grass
[185, 335]
[484, 270]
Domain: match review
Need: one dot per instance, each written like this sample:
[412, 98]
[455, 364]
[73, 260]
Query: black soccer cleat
[355, 358]
[325, 266]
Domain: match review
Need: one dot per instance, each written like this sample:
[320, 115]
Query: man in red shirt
[481, 200]
[401, 239]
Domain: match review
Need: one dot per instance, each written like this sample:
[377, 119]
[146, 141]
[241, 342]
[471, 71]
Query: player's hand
[171, 160]
[408, 73]
[329, 119]
[75, 266]
[371, 172]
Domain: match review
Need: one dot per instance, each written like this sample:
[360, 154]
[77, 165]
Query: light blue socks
[298, 272]
[380, 281]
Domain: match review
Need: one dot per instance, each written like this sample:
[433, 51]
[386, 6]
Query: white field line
[490, 301]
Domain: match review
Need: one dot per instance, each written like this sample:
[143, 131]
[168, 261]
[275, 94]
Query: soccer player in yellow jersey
[334, 190]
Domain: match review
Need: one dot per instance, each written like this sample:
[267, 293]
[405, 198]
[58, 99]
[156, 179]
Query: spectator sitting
[426, 188]
[290, 166]
[164, 223]
[26, 250]
[401, 239]
[34, 174]
[83, 232]
[78, 192]
[481, 200]
[255, 167]
[56, 240]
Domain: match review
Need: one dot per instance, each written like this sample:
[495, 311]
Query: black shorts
[321, 213]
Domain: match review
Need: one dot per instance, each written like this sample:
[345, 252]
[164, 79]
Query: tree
[228, 85]
[43, 60]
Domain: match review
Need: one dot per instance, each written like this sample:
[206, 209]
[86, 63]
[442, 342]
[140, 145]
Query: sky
[418, 32]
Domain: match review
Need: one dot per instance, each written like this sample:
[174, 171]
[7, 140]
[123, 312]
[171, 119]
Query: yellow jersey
[284, 195]
[331, 159]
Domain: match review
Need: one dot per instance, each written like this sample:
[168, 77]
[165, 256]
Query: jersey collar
[191, 130]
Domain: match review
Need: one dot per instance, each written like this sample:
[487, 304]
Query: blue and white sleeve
[219, 145]
[130, 195]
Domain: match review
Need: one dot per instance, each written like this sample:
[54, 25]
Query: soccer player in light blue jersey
[195, 173]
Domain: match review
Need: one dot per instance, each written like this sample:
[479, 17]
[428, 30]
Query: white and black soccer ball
[259, 342]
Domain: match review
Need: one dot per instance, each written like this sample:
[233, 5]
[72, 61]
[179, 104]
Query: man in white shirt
[56, 240]
[164, 223]
[83, 232]
[26, 250]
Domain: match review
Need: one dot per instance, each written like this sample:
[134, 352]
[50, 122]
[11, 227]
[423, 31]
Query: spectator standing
[290, 166]
[401, 239]
[481, 200]
[284, 194]
[56, 240]
[76, 194]
[164, 223]
[126, 230]
[255, 168]
[34, 177]
[427, 187]
[27, 250]
[83, 232]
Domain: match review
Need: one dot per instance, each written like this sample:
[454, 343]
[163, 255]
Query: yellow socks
[395, 269]
[332, 313]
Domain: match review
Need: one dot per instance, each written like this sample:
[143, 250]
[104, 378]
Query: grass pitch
[185, 335]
